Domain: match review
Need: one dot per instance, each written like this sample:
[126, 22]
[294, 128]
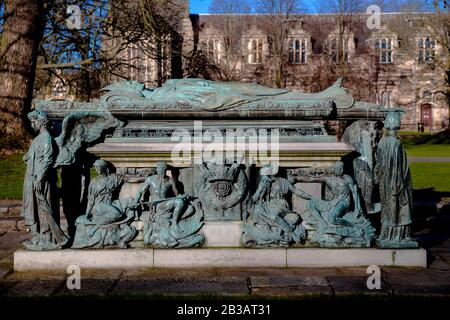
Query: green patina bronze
[41, 202]
[364, 136]
[107, 220]
[218, 190]
[271, 221]
[338, 219]
[193, 98]
[171, 220]
[222, 189]
[394, 178]
[219, 96]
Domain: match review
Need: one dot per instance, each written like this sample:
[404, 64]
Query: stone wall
[404, 81]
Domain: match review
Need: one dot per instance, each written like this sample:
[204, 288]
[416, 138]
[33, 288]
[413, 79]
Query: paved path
[239, 283]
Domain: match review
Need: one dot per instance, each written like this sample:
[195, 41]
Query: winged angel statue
[45, 155]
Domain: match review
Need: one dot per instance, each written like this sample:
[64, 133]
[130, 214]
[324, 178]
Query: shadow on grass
[442, 137]
[429, 195]
[431, 225]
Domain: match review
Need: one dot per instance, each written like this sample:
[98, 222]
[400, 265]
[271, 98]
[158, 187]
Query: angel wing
[360, 135]
[79, 131]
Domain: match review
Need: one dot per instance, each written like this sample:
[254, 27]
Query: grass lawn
[12, 171]
[428, 150]
[426, 144]
[425, 176]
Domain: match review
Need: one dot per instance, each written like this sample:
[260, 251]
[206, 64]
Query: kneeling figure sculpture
[271, 221]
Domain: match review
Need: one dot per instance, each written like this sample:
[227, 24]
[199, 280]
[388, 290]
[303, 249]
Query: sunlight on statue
[40, 201]
[171, 220]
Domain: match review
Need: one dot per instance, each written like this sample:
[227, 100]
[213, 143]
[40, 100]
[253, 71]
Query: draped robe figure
[395, 185]
[219, 96]
[107, 220]
[40, 201]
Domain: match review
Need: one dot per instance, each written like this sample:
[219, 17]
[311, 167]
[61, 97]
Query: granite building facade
[393, 65]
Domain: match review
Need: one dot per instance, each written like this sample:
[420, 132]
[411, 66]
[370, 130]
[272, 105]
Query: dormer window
[255, 50]
[214, 50]
[426, 50]
[384, 47]
[298, 51]
[339, 53]
[134, 63]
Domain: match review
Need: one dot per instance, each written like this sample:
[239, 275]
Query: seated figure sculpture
[106, 221]
[272, 222]
[170, 222]
[338, 220]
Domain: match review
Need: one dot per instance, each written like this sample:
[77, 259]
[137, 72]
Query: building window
[148, 69]
[214, 50]
[427, 50]
[386, 99]
[297, 51]
[384, 47]
[255, 51]
[339, 53]
[133, 63]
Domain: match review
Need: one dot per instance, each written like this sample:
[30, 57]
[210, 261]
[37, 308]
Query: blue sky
[199, 6]
[202, 6]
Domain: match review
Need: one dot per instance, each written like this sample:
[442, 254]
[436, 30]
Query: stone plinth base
[87, 259]
[217, 258]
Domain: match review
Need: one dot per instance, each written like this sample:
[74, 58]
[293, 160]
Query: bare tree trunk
[279, 72]
[86, 88]
[23, 29]
[176, 61]
[447, 89]
[159, 62]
